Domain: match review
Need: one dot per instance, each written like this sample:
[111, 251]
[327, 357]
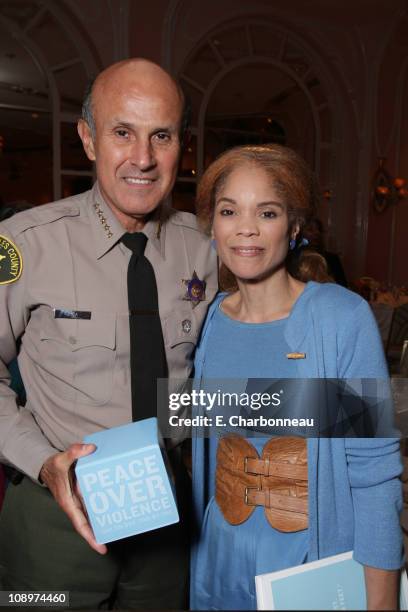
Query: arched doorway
[265, 81]
[46, 63]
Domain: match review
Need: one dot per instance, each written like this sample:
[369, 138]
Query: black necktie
[147, 355]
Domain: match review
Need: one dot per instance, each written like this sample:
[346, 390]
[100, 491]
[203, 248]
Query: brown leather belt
[277, 480]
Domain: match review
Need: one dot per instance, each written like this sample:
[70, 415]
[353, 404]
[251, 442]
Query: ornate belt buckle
[246, 494]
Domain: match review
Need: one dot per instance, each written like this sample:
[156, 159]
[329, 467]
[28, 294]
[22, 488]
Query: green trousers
[39, 550]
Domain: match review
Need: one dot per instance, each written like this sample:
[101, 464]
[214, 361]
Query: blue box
[125, 483]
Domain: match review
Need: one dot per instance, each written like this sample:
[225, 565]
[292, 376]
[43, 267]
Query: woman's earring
[292, 243]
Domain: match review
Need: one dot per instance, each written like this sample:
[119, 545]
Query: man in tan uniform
[63, 294]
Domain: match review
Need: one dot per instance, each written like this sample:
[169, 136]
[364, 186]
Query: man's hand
[58, 474]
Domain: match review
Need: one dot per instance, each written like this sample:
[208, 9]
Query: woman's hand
[382, 588]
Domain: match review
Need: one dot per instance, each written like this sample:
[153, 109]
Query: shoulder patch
[11, 261]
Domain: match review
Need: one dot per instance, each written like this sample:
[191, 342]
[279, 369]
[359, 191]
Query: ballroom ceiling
[25, 102]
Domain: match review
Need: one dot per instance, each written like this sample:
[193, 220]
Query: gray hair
[87, 111]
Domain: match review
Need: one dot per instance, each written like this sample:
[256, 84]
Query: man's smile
[129, 180]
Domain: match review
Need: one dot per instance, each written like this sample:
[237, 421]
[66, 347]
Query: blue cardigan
[355, 495]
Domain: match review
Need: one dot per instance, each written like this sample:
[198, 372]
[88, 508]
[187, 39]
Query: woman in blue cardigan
[265, 504]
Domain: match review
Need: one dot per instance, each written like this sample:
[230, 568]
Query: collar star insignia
[195, 289]
[103, 220]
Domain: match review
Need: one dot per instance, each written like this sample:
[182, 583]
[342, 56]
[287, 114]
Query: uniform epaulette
[42, 215]
[185, 219]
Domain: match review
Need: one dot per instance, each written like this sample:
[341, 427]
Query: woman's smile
[247, 251]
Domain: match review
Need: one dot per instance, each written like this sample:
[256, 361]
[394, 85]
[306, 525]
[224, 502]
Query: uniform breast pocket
[180, 330]
[81, 356]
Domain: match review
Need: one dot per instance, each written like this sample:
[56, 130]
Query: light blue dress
[355, 494]
[229, 556]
